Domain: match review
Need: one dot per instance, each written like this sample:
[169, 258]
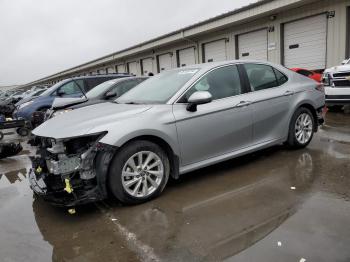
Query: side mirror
[110, 94]
[198, 98]
[61, 92]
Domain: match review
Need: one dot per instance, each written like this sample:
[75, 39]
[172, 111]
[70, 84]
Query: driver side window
[72, 88]
[220, 83]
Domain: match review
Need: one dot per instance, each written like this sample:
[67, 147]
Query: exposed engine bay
[65, 172]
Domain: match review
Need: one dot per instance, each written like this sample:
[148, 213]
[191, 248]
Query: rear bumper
[337, 95]
[321, 112]
[337, 100]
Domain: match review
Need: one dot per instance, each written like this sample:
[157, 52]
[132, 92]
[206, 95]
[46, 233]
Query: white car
[337, 84]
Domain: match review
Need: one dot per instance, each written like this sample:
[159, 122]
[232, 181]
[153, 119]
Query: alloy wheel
[303, 128]
[142, 174]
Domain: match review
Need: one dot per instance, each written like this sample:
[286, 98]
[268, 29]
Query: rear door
[219, 127]
[270, 98]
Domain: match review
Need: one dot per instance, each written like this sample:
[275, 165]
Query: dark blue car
[71, 87]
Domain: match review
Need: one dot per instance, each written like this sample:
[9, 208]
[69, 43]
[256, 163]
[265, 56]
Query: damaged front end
[70, 172]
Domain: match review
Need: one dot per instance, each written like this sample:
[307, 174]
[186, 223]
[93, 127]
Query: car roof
[210, 65]
[100, 76]
[117, 80]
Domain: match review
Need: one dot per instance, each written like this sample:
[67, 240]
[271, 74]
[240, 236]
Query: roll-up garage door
[110, 70]
[164, 62]
[147, 66]
[253, 45]
[101, 71]
[186, 57]
[121, 68]
[305, 43]
[215, 51]
[132, 68]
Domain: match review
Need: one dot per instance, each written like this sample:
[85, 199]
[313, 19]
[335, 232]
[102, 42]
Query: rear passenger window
[281, 78]
[261, 76]
[220, 83]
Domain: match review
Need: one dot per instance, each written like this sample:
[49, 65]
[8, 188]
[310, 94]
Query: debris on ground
[71, 211]
[9, 149]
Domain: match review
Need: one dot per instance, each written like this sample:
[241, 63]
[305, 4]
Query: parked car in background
[30, 96]
[175, 122]
[106, 91]
[5, 94]
[7, 105]
[71, 87]
[337, 84]
[308, 73]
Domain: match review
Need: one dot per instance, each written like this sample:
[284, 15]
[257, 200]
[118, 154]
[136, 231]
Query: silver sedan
[176, 122]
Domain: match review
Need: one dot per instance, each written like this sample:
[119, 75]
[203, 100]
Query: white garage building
[312, 34]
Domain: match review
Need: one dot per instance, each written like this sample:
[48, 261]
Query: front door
[216, 128]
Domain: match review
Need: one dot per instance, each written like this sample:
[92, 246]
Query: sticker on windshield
[188, 72]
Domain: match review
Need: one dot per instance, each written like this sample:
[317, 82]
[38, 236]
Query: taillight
[320, 87]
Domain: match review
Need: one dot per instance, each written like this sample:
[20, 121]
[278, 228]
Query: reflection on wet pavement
[274, 205]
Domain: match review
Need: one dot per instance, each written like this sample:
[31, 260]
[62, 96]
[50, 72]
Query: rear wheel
[138, 172]
[301, 129]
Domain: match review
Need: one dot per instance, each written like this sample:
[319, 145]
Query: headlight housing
[25, 104]
[326, 79]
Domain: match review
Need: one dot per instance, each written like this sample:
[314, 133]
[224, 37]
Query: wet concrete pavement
[274, 205]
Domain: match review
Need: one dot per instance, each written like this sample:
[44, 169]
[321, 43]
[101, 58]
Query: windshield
[158, 89]
[37, 93]
[53, 88]
[100, 89]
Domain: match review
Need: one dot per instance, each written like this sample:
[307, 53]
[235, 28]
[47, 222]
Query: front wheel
[138, 172]
[301, 129]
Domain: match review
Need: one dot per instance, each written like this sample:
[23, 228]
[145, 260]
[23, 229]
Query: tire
[123, 162]
[307, 131]
[22, 131]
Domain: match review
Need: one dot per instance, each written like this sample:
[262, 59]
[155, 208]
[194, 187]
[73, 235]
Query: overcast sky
[41, 37]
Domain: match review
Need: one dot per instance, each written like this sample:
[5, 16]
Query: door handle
[243, 104]
[288, 93]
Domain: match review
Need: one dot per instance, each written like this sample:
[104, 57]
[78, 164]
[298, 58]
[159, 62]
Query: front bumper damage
[71, 172]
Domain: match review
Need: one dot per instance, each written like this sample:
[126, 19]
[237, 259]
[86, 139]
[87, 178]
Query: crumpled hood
[59, 102]
[338, 69]
[79, 122]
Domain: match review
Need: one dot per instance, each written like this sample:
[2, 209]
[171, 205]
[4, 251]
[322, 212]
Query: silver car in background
[176, 122]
